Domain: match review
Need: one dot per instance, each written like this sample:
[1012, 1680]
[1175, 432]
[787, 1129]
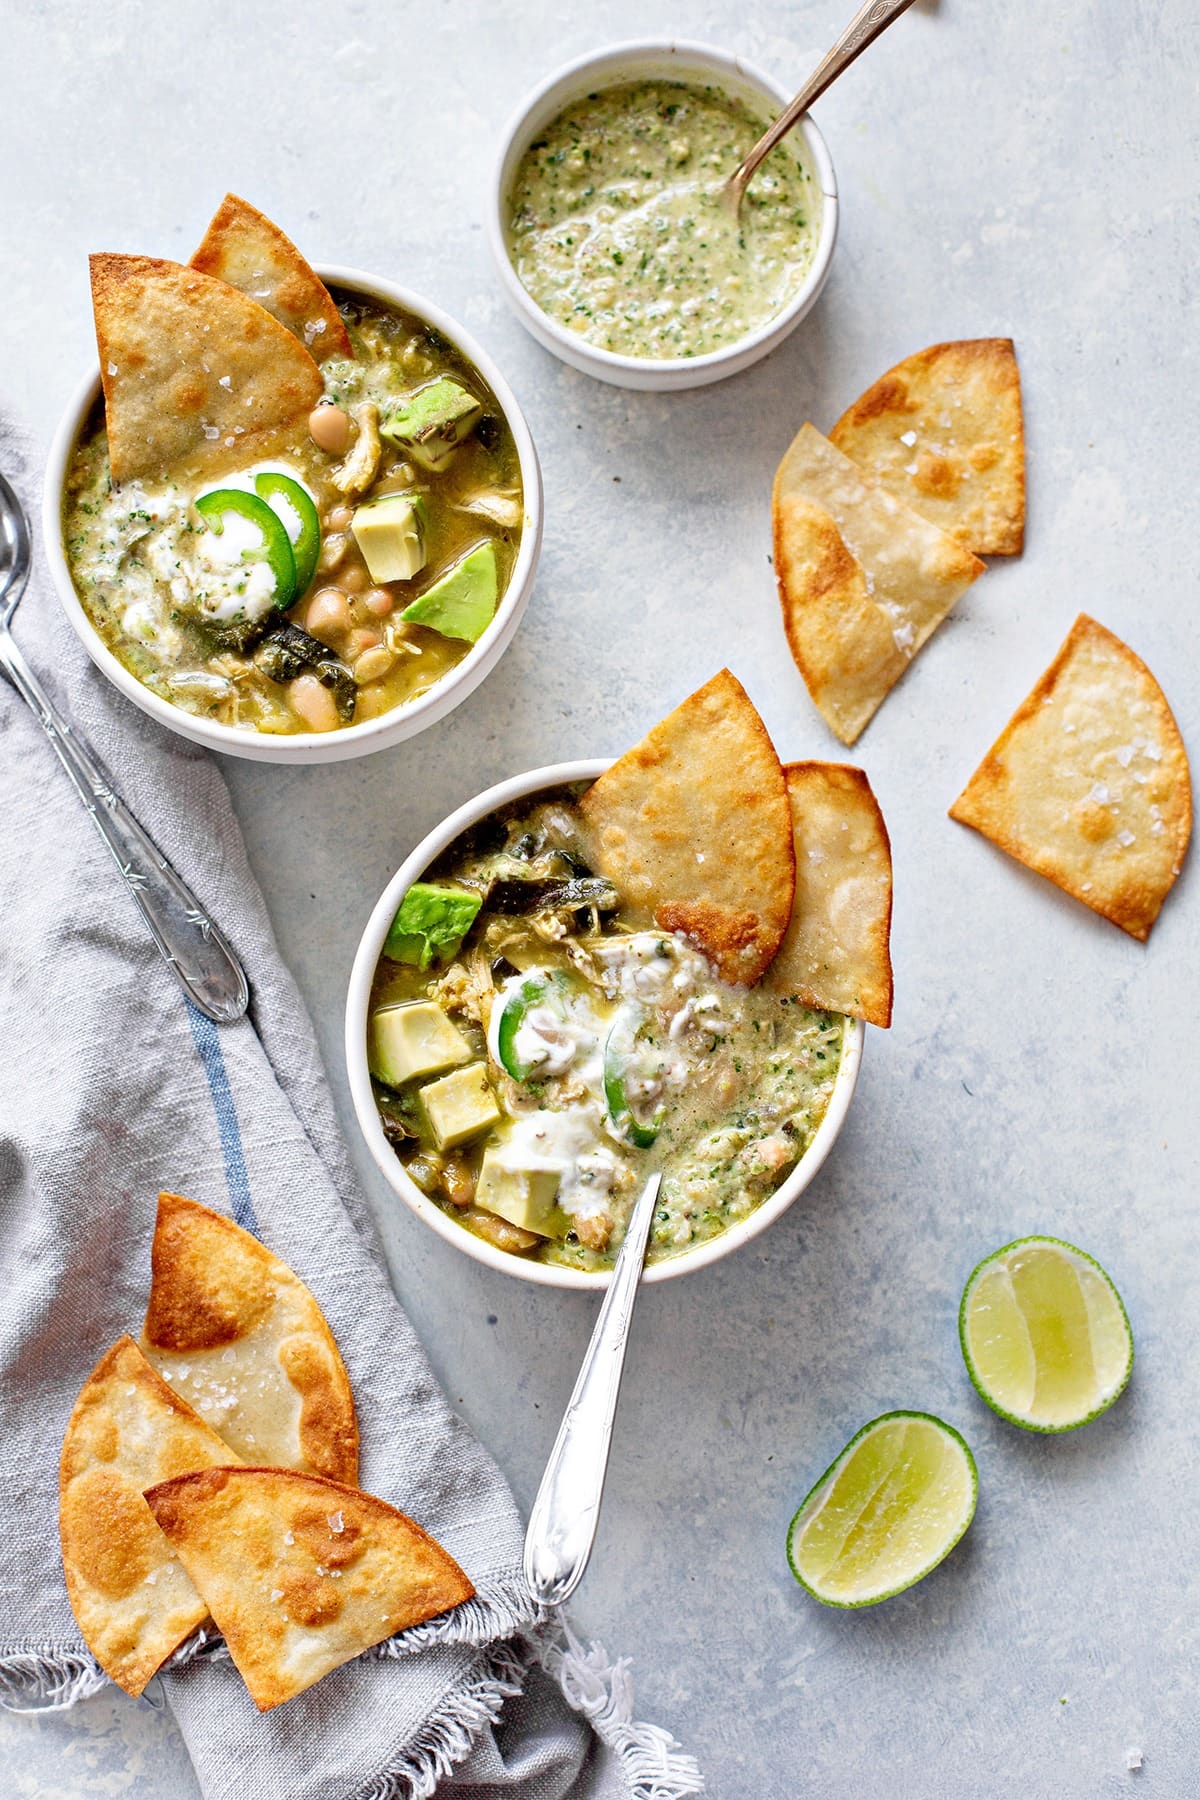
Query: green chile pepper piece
[531, 993]
[616, 1061]
[306, 546]
[277, 546]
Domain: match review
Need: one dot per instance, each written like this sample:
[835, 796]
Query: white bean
[328, 615]
[313, 703]
[329, 429]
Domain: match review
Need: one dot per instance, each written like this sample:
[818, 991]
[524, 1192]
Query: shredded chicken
[504, 510]
[594, 1233]
[468, 988]
[358, 471]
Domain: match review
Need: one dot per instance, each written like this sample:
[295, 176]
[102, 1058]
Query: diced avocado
[460, 1106]
[391, 533]
[525, 1197]
[463, 602]
[413, 1040]
[431, 923]
[430, 424]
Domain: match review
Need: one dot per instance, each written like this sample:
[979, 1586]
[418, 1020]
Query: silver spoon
[863, 29]
[196, 952]
[562, 1525]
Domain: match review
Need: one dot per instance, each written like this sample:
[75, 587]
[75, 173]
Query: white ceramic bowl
[357, 1004]
[676, 60]
[373, 734]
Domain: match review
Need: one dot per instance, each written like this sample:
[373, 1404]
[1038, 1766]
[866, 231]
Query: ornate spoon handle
[562, 1525]
[861, 32]
[191, 944]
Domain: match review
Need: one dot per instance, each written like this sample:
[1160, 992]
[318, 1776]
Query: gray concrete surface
[1022, 170]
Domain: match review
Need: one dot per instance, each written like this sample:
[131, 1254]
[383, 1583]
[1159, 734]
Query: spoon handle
[193, 947]
[866, 25]
[562, 1525]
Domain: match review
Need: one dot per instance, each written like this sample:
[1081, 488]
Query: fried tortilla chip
[835, 954]
[693, 826]
[301, 1574]
[232, 1329]
[943, 432]
[863, 581]
[193, 371]
[243, 247]
[1088, 783]
[133, 1600]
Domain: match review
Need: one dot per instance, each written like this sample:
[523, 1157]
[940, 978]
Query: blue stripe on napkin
[208, 1043]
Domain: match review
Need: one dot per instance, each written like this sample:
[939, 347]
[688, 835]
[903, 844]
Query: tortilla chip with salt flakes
[246, 249]
[863, 581]
[693, 827]
[133, 1600]
[301, 1574]
[835, 954]
[193, 371]
[1088, 783]
[943, 432]
[241, 1337]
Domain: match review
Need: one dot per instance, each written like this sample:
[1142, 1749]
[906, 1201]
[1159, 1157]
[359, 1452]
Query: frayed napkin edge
[54, 1677]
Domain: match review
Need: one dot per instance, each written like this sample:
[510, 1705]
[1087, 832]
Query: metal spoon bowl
[194, 949]
[866, 25]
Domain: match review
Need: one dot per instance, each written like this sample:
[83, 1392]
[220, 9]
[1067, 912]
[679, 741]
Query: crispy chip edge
[230, 216]
[877, 1009]
[1001, 352]
[987, 779]
[769, 931]
[333, 1433]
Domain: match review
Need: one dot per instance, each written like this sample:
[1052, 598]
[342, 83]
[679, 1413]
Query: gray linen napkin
[117, 1087]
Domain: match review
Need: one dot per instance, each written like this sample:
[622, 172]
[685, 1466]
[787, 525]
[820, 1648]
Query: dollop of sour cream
[229, 575]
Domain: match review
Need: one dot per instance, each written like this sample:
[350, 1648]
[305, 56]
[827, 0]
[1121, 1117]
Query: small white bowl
[676, 60]
[390, 727]
[370, 948]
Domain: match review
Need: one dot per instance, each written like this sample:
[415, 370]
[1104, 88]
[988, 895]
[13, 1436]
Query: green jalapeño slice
[217, 506]
[516, 1009]
[294, 507]
[630, 1063]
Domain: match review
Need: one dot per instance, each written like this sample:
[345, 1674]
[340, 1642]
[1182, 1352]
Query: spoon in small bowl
[192, 946]
[562, 1524]
[863, 29]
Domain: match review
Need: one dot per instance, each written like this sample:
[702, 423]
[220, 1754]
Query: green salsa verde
[618, 230]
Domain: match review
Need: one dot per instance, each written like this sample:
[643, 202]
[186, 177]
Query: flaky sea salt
[336, 1523]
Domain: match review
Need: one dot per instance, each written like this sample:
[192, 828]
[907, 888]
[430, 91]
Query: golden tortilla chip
[693, 826]
[243, 247]
[863, 581]
[193, 371]
[943, 432]
[236, 1332]
[133, 1600]
[835, 954]
[301, 1574]
[1088, 783]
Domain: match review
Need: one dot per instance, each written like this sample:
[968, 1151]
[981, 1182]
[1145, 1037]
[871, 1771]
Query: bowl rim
[557, 85]
[358, 992]
[389, 727]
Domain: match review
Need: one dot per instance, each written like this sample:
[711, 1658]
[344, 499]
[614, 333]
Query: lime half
[893, 1504]
[1044, 1334]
